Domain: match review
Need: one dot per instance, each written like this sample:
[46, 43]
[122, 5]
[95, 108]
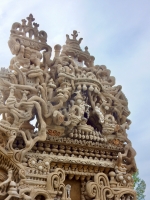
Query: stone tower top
[64, 121]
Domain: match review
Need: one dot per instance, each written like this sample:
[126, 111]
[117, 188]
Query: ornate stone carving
[101, 188]
[63, 122]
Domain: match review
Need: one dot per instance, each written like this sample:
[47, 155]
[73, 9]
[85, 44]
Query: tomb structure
[63, 125]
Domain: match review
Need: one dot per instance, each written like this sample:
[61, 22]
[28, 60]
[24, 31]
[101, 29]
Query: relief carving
[62, 119]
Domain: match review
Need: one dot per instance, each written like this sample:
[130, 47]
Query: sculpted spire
[30, 20]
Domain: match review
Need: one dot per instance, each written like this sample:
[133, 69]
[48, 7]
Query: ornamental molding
[64, 122]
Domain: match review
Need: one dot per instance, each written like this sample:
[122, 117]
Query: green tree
[139, 186]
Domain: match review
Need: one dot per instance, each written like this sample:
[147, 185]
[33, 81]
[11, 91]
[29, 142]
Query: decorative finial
[73, 41]
[36, 25]
[23, 22]
[74, 35]
[30, 20]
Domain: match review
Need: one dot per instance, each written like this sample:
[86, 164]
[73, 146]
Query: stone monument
[63, 123]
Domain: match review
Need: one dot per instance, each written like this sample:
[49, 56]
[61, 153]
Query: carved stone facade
[78, 148]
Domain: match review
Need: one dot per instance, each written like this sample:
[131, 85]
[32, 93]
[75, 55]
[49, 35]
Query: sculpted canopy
[78, 111]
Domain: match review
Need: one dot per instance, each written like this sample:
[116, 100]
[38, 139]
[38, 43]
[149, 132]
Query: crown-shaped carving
[73, 49]
[29, 30]
[28, 35]
[74, 42]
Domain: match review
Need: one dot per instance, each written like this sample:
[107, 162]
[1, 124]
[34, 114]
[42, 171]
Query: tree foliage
[139, 186]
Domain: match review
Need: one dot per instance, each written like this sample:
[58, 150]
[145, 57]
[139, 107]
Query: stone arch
[41, 194]
[40, 197]
[128, 192]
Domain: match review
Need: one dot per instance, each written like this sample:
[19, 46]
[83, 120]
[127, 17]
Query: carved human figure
[109, 125]
[50, 89]
[68, 190]
[18, 114]
[99, 113]
[79, 102]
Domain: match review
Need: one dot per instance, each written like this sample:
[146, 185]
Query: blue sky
[117, 33]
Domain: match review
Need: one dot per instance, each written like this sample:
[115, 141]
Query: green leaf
[139, 186]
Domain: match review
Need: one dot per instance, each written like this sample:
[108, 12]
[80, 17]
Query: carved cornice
[7, 163]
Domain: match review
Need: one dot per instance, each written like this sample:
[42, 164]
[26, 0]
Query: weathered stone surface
[78, 148]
